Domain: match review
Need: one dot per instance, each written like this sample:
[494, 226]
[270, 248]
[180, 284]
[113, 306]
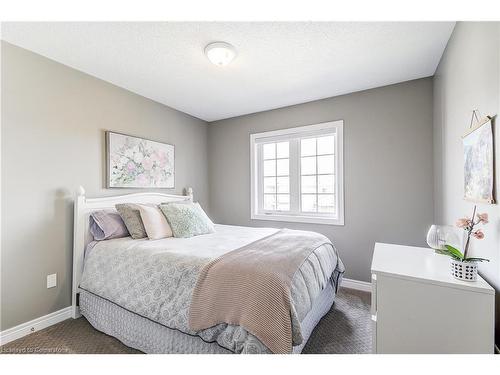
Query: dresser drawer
[417, 317]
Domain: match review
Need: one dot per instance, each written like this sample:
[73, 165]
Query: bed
[141, 291]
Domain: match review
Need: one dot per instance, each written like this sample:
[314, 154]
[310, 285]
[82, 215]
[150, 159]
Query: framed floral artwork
[133, 162]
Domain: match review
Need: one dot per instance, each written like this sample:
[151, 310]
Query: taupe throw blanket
[251, 286]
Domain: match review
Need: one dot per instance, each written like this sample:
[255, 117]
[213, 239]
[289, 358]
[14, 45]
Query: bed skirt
[148, 336]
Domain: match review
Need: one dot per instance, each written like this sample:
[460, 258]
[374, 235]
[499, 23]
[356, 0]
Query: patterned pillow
[132, 218]
[187, 219]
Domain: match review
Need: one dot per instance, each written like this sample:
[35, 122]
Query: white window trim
[339, 158]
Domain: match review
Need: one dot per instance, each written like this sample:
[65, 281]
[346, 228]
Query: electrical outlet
[52, 280]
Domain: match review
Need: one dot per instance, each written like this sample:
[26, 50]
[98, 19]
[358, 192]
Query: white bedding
[225, 239]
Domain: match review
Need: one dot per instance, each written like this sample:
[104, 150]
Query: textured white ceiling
[278, 63]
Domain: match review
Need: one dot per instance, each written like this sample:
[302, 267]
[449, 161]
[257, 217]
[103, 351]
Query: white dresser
[418, 307]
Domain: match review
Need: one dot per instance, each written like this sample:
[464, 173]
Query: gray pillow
[107, 224]
[131, 215]
[187, 219]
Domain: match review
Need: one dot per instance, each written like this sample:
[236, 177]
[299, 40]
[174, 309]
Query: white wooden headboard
[84, 207]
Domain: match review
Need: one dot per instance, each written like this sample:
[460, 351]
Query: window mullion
[275, 176]
[260, 177]
[294, 176]
[317, 188]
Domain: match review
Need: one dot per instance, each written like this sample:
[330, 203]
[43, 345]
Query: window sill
[298, 219]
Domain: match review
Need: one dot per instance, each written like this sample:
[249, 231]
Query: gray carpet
[345, 329]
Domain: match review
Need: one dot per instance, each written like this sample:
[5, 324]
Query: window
[276, 176]
[297, 174]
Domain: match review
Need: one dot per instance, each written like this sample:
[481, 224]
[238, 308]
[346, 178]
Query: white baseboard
[34, 325]
[356, 284]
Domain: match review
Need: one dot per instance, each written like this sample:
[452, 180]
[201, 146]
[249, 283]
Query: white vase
[466, 271]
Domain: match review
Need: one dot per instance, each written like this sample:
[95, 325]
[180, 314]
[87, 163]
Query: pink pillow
[155, 222]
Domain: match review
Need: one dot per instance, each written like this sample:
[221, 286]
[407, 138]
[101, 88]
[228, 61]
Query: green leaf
[454, 252]
[476, 260]
[451, 255]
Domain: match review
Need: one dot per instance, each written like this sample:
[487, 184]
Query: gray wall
[387, 166]
[468, 77]
[53, 123]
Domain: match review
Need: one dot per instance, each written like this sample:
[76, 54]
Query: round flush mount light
[220, 53]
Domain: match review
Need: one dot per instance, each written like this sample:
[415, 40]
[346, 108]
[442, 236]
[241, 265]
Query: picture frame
[136, 162]
[479, 170]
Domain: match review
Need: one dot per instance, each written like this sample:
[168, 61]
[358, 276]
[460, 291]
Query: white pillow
[155, 222]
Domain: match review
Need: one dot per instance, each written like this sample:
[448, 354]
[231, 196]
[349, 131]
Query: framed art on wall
[478, 162]
[133, 162]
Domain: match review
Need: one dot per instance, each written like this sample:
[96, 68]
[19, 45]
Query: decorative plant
[469, 226]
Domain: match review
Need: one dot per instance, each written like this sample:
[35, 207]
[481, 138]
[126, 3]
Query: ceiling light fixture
[220, 53]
